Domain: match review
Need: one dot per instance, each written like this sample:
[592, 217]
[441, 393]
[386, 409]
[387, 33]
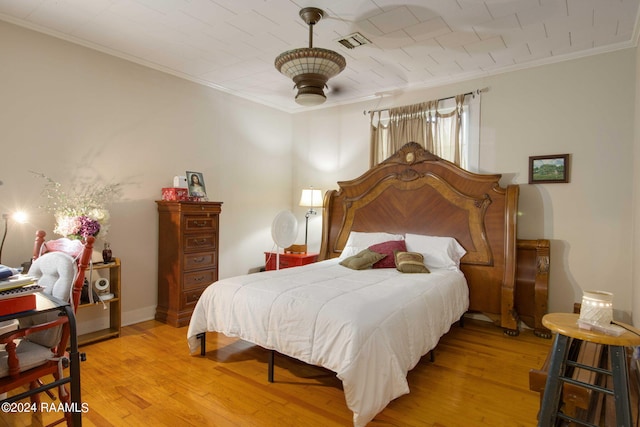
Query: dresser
[187, 256]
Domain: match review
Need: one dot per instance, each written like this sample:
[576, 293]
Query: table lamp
[19, 217]
[310, 198]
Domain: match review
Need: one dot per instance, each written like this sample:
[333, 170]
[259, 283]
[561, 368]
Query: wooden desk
[46, 303]
[566, 327]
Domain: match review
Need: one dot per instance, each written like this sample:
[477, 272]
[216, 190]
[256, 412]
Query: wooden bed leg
[461, 321]
[432, 355]
[272, 354]
[203, 343]
[511, 332]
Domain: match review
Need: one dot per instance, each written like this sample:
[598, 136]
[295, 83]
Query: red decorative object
[288, 260]
[175, 194]
[17, 304]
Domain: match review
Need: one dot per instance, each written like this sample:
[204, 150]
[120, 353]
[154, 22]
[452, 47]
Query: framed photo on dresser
[195, 182]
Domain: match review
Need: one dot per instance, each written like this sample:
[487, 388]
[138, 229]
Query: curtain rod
[474, 93]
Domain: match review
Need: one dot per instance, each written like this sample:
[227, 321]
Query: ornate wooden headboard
[414, 191]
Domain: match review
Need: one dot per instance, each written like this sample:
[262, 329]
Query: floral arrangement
[82, 212]
[76, 226]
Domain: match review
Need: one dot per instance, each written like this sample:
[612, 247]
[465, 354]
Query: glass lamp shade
[310, 99]
[310, 69]
[311, 198]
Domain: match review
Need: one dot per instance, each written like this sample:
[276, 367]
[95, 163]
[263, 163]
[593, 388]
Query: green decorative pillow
[362, 260]
[410, 262]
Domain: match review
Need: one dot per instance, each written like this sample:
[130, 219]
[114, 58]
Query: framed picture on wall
[549, 169]
[195, 182]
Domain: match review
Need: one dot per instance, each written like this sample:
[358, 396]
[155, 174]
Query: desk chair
[38, 347]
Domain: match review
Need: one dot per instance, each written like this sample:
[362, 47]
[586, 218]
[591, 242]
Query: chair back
[56, 272]
[80, 251]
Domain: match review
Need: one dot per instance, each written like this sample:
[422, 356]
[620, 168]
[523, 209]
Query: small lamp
[310, 198]
[19, 217]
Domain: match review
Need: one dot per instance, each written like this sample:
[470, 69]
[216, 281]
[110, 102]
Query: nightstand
[288, 260]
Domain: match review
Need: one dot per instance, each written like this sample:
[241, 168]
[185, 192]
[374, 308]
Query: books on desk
[16, 281]
[17, 293]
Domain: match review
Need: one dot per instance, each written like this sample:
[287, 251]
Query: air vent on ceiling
[354, 40]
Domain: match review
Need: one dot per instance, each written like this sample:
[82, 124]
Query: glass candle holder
[597, 307]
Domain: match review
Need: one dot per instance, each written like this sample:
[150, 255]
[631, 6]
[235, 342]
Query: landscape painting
[549, 169]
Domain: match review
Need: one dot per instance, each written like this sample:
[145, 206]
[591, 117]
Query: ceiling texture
[231, 45]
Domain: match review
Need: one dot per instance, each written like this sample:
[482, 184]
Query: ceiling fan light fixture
[310, 68]
[310, 97]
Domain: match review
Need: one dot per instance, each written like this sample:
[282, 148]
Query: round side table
[565, 326]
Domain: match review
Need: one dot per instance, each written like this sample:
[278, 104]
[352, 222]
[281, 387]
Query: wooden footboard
[532, 283]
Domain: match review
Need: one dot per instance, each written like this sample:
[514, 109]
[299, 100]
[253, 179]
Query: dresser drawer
[197, 261]
[198, 279]
[284, 262]
[196, 223]
[190, 298]
[195, 208]
[199, 242]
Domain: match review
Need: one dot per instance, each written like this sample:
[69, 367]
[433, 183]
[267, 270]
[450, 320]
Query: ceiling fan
[310, 68]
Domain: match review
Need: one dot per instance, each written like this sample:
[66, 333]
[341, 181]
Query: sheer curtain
[436, 125]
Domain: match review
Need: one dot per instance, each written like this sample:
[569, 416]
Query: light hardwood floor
[147, 378]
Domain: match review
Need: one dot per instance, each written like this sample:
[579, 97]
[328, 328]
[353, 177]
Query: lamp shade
[311, 198]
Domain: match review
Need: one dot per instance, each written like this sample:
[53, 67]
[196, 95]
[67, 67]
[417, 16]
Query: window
[448, 128]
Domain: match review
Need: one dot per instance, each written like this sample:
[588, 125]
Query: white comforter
[370, 327]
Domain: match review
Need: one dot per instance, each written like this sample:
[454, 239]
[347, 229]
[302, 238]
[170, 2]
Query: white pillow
[359, 241]
[438, 252]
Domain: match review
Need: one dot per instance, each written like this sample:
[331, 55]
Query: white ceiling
[231, 44]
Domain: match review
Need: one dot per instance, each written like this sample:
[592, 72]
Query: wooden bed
[415, 191]
[411, 192]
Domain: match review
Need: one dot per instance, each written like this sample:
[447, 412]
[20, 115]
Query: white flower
[89, 201]
[66, 225]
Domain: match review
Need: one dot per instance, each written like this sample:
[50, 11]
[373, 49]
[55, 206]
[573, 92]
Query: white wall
[636, 200]
[71, 112]
[584, 107]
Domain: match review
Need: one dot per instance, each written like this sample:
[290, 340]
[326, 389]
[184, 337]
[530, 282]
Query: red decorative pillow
[387, 248]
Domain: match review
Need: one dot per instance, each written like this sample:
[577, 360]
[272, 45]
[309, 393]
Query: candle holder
[597, 308]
